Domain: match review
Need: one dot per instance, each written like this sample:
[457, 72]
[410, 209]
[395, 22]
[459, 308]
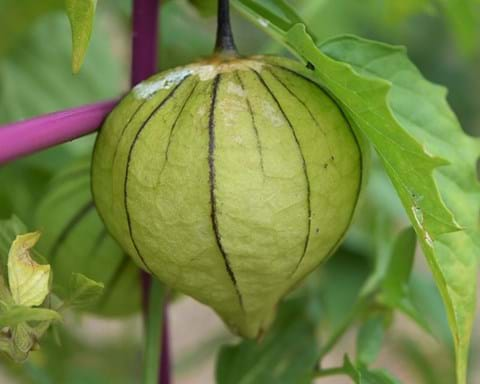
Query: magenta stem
[144, 39]
[26, 137]
[144, 65]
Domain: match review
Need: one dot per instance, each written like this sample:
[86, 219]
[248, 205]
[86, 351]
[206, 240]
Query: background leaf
[370, 339]
[81, 14]
[400, 266]
[12, 314]
[362, 375]
[286, 355]
[82, 291]
[75, 241]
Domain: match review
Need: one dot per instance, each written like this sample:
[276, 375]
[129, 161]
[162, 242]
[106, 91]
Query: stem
[144, 40]
[154, 332]
[330, 372]
[26, 137]
[144, 65]
[225, 45]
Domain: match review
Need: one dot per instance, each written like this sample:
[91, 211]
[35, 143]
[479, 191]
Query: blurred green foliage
[442, 38]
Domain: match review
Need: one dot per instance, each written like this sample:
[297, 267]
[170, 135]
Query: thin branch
[29, 136]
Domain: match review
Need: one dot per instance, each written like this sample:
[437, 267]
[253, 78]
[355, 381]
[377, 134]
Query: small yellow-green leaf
[81, 14]
[28, 280]
[82, 291]
[12, 315]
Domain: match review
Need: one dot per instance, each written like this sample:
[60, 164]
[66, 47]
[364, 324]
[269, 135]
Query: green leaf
[287, 354]
[367, 102]
[400, 266]
[82, 291]
[423, 149]
[205, 7]
[369, 339]
[362, 375]
[421, 110]
[17, 17]
[81, 14]
[28, 280]
[12, 314]
[75, 240]
[35, 78]
[9, 230]
[463, 18]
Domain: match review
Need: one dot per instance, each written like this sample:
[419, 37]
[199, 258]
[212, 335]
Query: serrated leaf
[369, 339]
[28, 280]
[82, 291]
[12, 314]
[287, 355]
[422, 110]
[81, 14]
[411, 126]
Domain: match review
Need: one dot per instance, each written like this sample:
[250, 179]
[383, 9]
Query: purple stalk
[32, 135]
[144, 65]
[144, 39]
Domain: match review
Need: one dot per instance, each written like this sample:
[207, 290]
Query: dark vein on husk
[212, 181]
[172, 129]
[304, 166]
[254, 124]
[129, 158]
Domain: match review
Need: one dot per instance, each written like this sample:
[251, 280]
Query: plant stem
[144, 65]
[144, 40]
[154, 332]
[330, 372]
[26, 137]
[225, 45]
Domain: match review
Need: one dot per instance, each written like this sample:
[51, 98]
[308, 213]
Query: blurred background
[443, 40]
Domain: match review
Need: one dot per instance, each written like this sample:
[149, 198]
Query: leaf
[81, 14]
[369, 339]
[400, 266]
[28, 281]
[395, 289]
[35, 77]
[75, 240]
[462, 15]
[17, 17]
[423, 149]
[9, 230]
[205, 7]
[423, 112]
[14, 314]
[82, 291]
[361, 375]
[287, 354]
